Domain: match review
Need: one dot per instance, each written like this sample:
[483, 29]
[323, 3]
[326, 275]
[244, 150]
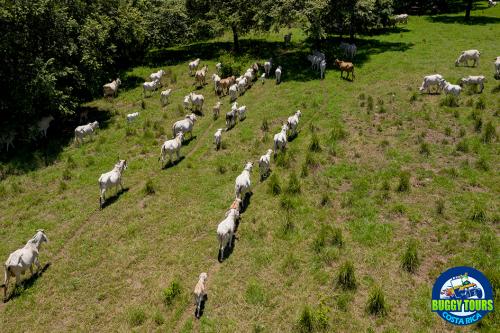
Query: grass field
[394, 171]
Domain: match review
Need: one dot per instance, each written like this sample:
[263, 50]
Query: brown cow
[226, 83]
[347, 67]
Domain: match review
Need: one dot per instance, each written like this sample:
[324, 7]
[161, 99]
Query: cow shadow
[186, 142]
[228, 250]
[246, 202]
[202, 307]
[171, 163]
[26, 284]
[110, 200]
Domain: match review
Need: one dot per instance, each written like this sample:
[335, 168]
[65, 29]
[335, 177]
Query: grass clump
[313, 320]
[328, 236]
[410, 259]
[265, 125]
[346, 277]
[293, 186]
[149, 187]
[414, 97]
[283, 160]
[478, 124]
[255, 293]
[482, 164]
[480, 104]
[425, 149]
[314, 146]
[489, 133]
[478, 214]
[171, 293]
[449, 100]
[376, 304]
[136, 316]
[462, 146]
[66, 175]
[440, 206]
[158, 318]
[404, 182]
[369, 103]
[274, 185]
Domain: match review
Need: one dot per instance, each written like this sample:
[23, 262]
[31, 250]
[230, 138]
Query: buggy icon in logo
[462, 296]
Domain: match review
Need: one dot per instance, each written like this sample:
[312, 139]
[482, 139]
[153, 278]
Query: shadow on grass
[26, 284]
[199, 314]
[110, 200]
[171, 164]
[29, 155]
[186, 142]
[474, 20]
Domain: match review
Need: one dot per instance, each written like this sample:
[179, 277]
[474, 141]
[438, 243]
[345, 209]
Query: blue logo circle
[462, 296]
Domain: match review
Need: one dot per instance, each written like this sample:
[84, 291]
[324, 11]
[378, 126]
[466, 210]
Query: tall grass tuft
[440, 206]
[376, 304]
[449, 100]
[480, 104]
[171, 293]
[149, 187]
[425, 149]
[346, 277]
[327, 236]
[313, 320]
[410, 259]
[293, 186]
[369, 104]
[478, 214]
[314, 145]
[265, 125]
[462, 146]
[136, 316]
[404, 182]
[274, 184]
[489, 133]
[283, 159]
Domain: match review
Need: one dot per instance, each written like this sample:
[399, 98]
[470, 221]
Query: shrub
[314, 145]
[293, 186]
[404, 182]
[149, 188]
[170, 293]
[232, 65]
[136, 316]
[449, 100]
[274, 185]
[489, 133]
[376, 304]
[346, 277]
[410, 260]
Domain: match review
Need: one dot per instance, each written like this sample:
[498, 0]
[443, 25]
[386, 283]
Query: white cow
[186, 102]
[111, 89]
[85, 130]
[185, 125]
[267, 66]
[150, 86]
[111, 178]
[170, 147]
[263, 78]
[242, 84]
[492, 3]
[280, 139]
[218, 67]
[350, 50]
[233, 92]
[132, 116]
[218, 138]
[216, 109]
[243, 183]
[265, 164]
[451, 88]
[216, 79]
[293, 122]
[231, 117]
[497, 67]
[193, 66]
[197, 101]
[43, 125]
[200, 292]
[242, 112]
[474, 80]
[431, 80]
[157, 75]
[164, 96]
[465, 56]
[225, 231]
[322, 68]
[23, 259]
[401, 18]
[278, 73]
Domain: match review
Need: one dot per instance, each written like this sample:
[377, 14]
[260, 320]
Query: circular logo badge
[462, 296]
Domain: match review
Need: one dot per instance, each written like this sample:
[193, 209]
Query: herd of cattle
[23, 259]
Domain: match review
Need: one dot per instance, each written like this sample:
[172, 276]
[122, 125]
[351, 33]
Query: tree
[468, 8]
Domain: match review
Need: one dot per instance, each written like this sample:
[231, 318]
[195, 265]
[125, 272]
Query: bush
[449, 100]
[136, 316]
[293, 184]
[346, 277]
[149, 188]
[376, 304]
[314, 145]
[404, 182]
[232, 65]
[274, 185]
[410, 260]
[170, 293]
[489, 133]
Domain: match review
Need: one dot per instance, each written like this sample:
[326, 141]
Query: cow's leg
[37, 263]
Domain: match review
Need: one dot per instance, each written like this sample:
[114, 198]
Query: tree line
[56, 54]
